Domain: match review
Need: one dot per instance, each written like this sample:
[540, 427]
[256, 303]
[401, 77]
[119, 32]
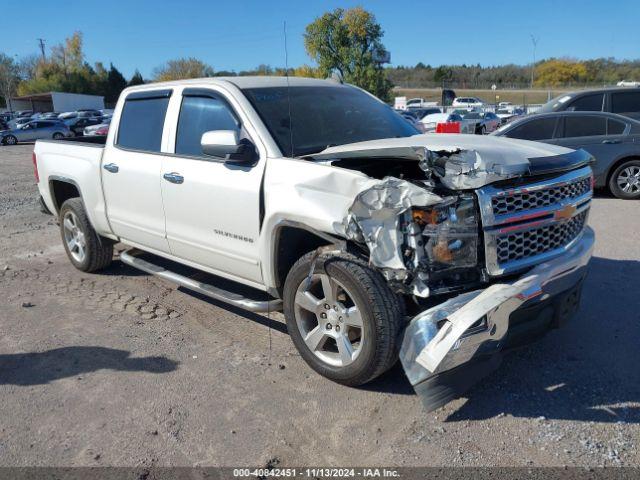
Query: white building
[57, 102]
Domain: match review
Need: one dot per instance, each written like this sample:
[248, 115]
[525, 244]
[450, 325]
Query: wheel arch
[290, 241]
[62, 189]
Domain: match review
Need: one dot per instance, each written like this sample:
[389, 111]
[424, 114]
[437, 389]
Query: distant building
[57, 102]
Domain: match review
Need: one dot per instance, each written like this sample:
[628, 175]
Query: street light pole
[534, 40]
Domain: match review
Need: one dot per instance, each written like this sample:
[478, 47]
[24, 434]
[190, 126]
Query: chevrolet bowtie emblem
[565, 213]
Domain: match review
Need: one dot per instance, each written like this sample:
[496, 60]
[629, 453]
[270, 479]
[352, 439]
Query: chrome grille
[529, 224]
[505, 204]
[528, 243]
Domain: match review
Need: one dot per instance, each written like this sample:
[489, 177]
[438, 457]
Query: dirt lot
[120, 368]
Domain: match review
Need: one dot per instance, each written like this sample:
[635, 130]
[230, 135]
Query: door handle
[111, 167]
[173, 177]
[611, 142]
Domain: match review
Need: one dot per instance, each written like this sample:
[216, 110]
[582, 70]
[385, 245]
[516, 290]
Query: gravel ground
[120, 368]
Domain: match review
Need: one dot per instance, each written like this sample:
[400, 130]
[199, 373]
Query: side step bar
[129, 257]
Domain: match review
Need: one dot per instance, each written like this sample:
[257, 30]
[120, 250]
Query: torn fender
[449, 347]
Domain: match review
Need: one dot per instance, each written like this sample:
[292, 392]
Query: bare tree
[9, 77]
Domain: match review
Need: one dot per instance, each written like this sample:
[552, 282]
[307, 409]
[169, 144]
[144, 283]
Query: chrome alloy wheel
[329, 320]
[629, 179]
[74, 237]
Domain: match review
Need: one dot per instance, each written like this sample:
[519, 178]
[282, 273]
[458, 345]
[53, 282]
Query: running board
[129, 257]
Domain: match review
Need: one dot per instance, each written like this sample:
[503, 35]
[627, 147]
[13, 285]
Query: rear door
[213, 210]
[599, 135]
[626, 103]
[131, 165]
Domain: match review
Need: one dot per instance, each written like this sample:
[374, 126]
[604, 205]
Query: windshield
[324, 116]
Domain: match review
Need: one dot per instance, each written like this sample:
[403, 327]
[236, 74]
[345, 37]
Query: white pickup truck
[316, 198]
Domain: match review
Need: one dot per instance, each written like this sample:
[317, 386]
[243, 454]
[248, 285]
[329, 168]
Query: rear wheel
[58, 136]
[10, 140]
[625, 180]
[346, 321]
[86, 250]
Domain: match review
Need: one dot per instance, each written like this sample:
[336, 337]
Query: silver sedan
[35, 130]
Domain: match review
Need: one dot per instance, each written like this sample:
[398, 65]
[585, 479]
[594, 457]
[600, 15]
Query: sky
[238, 35]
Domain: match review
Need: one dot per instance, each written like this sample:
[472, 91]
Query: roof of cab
[242, 82]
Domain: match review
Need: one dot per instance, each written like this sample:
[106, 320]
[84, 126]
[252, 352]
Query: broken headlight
[450, 234]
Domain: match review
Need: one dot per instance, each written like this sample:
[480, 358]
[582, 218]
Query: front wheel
[346, 321]
[625, 180]
[86, 250]
[58, 136]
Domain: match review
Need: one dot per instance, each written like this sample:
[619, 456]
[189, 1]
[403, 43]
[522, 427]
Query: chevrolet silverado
[316, 198]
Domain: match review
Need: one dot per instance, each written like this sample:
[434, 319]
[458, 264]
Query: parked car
[49, 115]
[92, 129]
[627, 83]
[420, 113]
[507, 115]
[385, 239]
[409, 116]
[35, 130]
[3, 124]
[101, 132]
[623, 101]
[613, 140]
[19, 121]
[80, 114]
[78, 124]
[430, 122]
[468, 102]
[419, 103]
[484, 122]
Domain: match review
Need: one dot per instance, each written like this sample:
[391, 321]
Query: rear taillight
[35, 167]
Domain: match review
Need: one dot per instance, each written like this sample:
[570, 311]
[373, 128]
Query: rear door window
[142, 120]
[584, 126]
[200, 113]
[587, 103]
[538, 129]
[625, 103]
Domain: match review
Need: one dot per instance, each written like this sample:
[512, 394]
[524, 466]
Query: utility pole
[41, 43]
[534, 41]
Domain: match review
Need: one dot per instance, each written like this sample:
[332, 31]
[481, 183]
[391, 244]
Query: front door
[212, 207]
[131, 168]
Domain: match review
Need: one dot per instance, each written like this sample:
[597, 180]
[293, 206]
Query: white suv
[467, 102]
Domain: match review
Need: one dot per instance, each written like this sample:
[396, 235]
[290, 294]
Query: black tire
[10, 140]
[58, 136]
[381, 310]
[619, 173]
[98, 251]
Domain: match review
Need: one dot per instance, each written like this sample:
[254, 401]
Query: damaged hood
[469, 161]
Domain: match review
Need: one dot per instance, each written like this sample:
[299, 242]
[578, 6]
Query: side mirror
[225, 144]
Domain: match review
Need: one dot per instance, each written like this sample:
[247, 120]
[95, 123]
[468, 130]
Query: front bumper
[451, 346]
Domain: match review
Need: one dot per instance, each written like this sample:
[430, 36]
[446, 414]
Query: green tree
[443, 74]
[349, 42]
[182, 68]
[136, 79]
[115, 84]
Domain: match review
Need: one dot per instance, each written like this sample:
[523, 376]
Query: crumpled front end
[448, 348]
